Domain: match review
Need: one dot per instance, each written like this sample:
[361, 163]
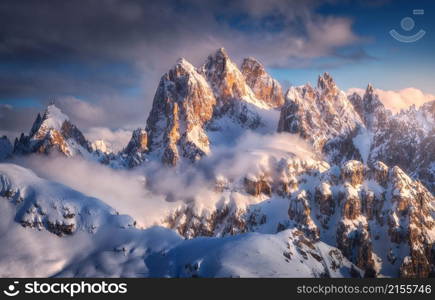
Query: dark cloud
[99, 51]
[13, 121]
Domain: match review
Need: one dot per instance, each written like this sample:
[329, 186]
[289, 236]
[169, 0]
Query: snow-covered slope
[195, 109]
[96, 241]
[406, 139]
[258, 187]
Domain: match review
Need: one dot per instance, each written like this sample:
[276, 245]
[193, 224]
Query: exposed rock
[53, 132]
[353, 172]
[261, 83]
[300, 212]
[321, 116]
[355, 243]
[183, 104]
[324, 198]
[256, 187]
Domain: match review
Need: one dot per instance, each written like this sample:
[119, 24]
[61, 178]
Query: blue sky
[393, 65]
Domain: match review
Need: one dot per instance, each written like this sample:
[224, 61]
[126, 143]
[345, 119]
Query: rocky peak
[53, 131]
[370, 108]
[100, 145]
[138, 142]
[262, 84]
[322, 116]
[371, 100]
[227, 82]
[182, 105]
[181, 68]
[326, 84]
[5, 148]
[428, 111]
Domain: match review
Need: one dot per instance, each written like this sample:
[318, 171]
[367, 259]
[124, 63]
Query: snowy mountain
[311, 183]
[324, 117]
[261, 83]
[193, 107]
[406, 139]
[114, 247]
[53, 132]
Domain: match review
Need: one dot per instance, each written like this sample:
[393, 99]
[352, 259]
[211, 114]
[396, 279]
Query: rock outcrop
[324, 117]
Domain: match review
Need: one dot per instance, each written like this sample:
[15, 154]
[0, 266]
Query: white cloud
[401, 99]
[116, 139]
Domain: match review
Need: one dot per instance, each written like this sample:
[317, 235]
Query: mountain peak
[370, 89]
[221, 52]
[325, 82]
[53, 117]
[53, 131]
[253, 65]
[262, 84]
[184, 64]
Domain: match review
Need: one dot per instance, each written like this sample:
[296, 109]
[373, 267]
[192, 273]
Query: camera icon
[408, 24]
[11, 291]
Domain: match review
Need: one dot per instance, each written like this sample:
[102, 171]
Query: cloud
[111, 119]
[150, 193]
[116, 140]
[123, 190]
[398, 100]
[251, 155]
[14, 121]
[95, 51]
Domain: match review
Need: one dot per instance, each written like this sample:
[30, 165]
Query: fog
[149, 193]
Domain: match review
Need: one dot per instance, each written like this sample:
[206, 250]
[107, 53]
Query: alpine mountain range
[350, 194]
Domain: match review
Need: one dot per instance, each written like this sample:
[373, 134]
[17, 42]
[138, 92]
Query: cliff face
[378, 217]
[366, 188]
[323, 116]
[190, 102]
[261, 83]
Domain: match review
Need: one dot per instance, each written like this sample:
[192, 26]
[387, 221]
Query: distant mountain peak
[54, 117]
[370, 89]
[52, 131]
[326, 82]
[221, 52]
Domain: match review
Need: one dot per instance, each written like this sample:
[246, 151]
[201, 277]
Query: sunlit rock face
[183, 104]
[324, 117]
[53, 132]
[189, 102]
[406, 139]
[135, 152]
[261, 83]
[235, 99]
